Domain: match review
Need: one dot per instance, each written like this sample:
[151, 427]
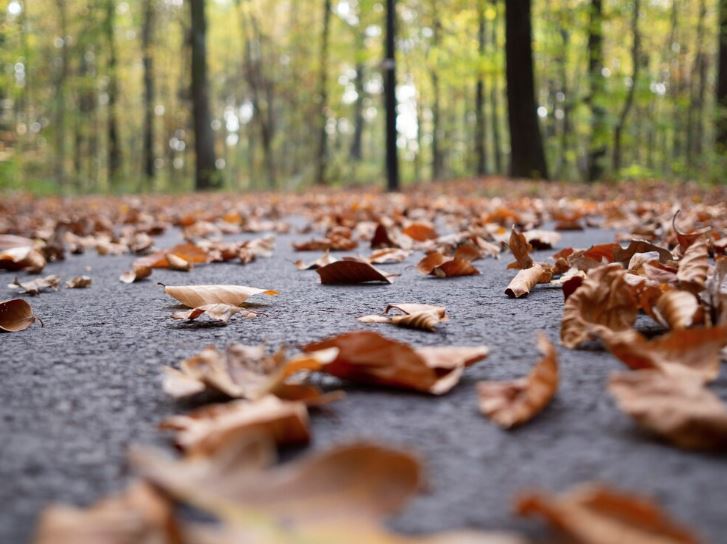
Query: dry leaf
[368, 357]
[389, 255]
[350, 271]
[323, 260]
[16, 315]
[595, 514]
[195, 296]
[79, 282]
[204, 430]
[604, 298]
[35, 287]
[686, 239]
[178, 263]
[381, 238]
[526, 279]
[520, 249]
[677, 309]
[688, 353]
[693, 267]
[542, 239]
[216, 312]
[420, 232]
[189, 252]
[680, 411]
[138, 516]
[137, 273]
[512, 403]
[436, 264]
[415, 316]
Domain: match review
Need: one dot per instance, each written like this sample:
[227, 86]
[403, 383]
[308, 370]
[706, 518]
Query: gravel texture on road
[77, 392]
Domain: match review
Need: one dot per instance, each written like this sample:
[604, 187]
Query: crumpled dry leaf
[138, 516]
[687, 353]
[542, 239]
[686, 239]
[678, 410]
[79, 282]
[604, 298]
[195, 296]
[137, 273]
[16, 315]
[595, 514]
[420, 232]
[178, 263]
[187, 251]
[36, 287]
[364, 482]
[204, 430]
[436, 264]
[520, 249]
[247, 372]
[220, 313]
[368, 357]
[323, 260]
[677, 309]
[716, 296]
[389, 255]
[19, 253]
[415, 316]
[512, 403]
[526, 279]
[351, 271]
[693, 267]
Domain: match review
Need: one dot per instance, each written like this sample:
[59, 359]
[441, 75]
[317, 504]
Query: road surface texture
[79, 391]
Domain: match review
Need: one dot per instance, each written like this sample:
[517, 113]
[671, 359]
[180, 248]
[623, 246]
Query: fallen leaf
[526, 279]
[178, 263]
[36, 287]
[542, 239]
[137, 273]
[323, 260]
[677, 309]
[204, 430]
[415, 316]
[682, 352]
[693, 267]
[16, 315]
[420, 232]
[389, 255]
[216, 312]
[194, 296]
[350, 271]
[604, 298]
[686, 239]
[512, 403]
[681, 411]
[79, 282]
[368, 357]
[520, 249]
[436, 264]
[187, 251]
[595, 514]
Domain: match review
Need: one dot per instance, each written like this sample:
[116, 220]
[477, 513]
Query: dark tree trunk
[114, 140]
[322, 153]
[356, 151]
[629, 102]
[480, 121]
[60, 98]
[392, 157]
[697, 94]
[204, 148]
[495, 103]
[527, 157]
[598, 137]
[722, 78]
[437, 157]
[147, 37]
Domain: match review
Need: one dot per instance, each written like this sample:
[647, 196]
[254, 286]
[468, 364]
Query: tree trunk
[205, 174]
[437, 158]
[60, 98]
[392, 158]
[356, 152]
[527, 157]
[697, 89]
[722, 79]
[597, 139]
[480, 121]
[629, 102]
[495, 103]
[114, 141]
[147, 37]
[322, 153]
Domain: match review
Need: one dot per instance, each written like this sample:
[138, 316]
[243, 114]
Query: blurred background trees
[108, 95]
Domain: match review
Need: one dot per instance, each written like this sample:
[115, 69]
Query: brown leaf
[381, 238]
[520, 249]
[194, 296]
[678, 410]
[526, 279]
[686, 239]
[350, 271]
[420, 232]
[368, 357]
[36, 287]
[323, 260]
[595, 514]
[138, 516]
[187, 251]
[691, 352]
[79, 282]
[137, 273]
[677, 309]
[542, 239]
[216, 312]
[693, 267]
[388, 255]
[205, 430]
[512, 403]
[716, 297]
[604, 299]
[416, 316]
[178, 263]
[19, 253]
[16, 315]
[436, 264]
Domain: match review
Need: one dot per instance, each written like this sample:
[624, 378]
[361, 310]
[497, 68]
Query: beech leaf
[415, 316]
[37, 286]
[693, 267]
[194, 296]
[15, 315]
[215, 312]
[79, 282]
[526, 279]
[350, 271]
[137, 273]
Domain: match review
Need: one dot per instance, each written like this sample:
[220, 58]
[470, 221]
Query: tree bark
[322, 153]
[356, 152]
[392, 158]
[722, 79]
[597, 140]
[204, 148]
[112, 128]
[629, 102]
[60, 98]
[437, 157]
[527, 157]
[480, 121]
[147, 38]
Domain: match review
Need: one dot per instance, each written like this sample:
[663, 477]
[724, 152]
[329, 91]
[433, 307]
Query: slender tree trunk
[322, 153]
[392, 158]
[597, 140]
[527, 157]
[721, 90]
[356, 152]
[437, 158]
[480, 121]
[147, 38]
[204, 148]
[114, 140]
[495, 101]
[629, 102]
[60, 98]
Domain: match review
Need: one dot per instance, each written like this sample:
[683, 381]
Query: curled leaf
[79, 282]
[215, 312]
[512, 403]
[680, 411]
[436, 264]
[693, 267]
[350, 271]
[194, 296]
[137, 273]
[542, 239]
[16, 315]
[520, 249]
[323, 260]
[686, 239]
[595, 514]
[36, 287]
[415, 316]
[526, 279]
[677, 309]
[178, 263]
[388, 255]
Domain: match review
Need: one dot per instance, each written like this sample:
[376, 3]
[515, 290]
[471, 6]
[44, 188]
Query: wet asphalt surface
[79, 391]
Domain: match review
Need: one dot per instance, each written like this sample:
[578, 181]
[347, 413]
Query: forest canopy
[100, 95]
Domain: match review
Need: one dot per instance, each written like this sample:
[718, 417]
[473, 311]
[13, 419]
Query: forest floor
[81, 389]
